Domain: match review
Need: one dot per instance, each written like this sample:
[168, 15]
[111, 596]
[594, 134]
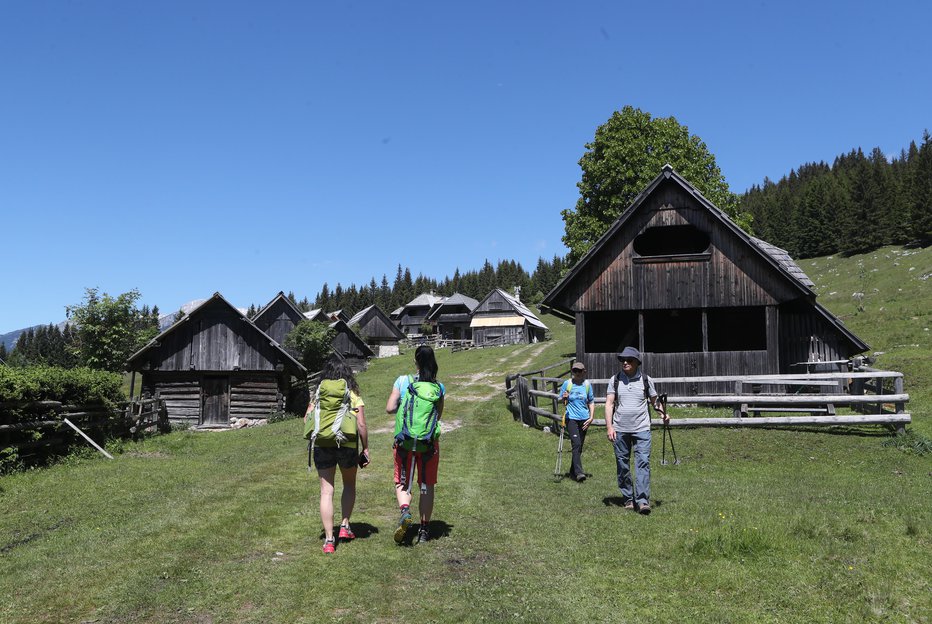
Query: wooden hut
[502, 319]
[215, 365]
[414, 313]
[377, 330]
[451, 317]
[348, 345]
[675, 277]
[278, 318]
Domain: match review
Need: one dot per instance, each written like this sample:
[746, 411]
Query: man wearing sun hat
[627, 420]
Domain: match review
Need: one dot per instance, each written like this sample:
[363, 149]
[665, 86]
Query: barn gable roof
[516, 304]
[366, 315]
[776, 257]
[342, 328]
[216, 299]
[278, 300]
[453, 300]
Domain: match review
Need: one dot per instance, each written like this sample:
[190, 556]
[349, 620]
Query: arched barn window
[671, 240]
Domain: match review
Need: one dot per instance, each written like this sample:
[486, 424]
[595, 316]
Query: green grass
[780, 525]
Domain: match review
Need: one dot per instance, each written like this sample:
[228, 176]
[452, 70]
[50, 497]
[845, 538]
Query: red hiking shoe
[329, 547]
[346, 533]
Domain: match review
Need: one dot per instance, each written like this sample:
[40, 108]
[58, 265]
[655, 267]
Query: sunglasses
[629, 360]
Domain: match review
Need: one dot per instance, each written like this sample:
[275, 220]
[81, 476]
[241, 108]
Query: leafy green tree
[312, 341]
[109, 329]
[628, 152]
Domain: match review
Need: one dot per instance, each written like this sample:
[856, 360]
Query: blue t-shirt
[577, 406]
[402, 384]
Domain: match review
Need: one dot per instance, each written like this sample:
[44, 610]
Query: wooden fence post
[524, 401]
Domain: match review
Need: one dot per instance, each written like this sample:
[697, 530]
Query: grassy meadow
[777, 525]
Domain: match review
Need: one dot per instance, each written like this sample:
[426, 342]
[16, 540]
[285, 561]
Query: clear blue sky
[184, 148]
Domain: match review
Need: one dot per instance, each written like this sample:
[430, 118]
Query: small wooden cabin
[451, 317]
[377, 330]
[502, 319]
[350, 346]
[215, 365]
[676, 278]
[278, 317]
[414, 313]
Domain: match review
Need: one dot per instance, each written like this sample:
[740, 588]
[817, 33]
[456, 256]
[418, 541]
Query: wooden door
[215, 401]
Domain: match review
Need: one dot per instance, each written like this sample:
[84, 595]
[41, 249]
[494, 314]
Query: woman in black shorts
[349, 455]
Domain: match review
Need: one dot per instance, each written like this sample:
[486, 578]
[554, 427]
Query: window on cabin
[672, 331]
[671, 240]
[610, 332]
[496, 305]
[737, 329]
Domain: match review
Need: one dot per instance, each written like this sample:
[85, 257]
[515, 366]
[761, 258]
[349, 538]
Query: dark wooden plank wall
[251, 396]
[806, 336]
[376, 328]
[216, 340]
[504, 335]
[485, 307]
[279, 319]
[733, 274]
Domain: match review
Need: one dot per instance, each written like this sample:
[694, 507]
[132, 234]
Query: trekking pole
[662, 399]
[558, 470]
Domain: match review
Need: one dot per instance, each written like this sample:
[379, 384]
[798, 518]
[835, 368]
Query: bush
[70, 386]
[313, 341]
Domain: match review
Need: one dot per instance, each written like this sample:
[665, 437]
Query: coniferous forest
[860, 202]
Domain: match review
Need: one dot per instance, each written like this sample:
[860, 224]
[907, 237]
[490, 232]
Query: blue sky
[184, 148]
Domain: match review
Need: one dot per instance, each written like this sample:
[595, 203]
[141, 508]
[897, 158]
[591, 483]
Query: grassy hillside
[754, 526]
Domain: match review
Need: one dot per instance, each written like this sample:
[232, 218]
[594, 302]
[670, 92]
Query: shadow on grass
[617, 501]
[362, 530]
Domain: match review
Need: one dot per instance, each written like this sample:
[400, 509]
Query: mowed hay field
[778, 525]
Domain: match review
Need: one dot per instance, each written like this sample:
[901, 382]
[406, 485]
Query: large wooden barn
[675, 277]
[215, 364]
[377, 330]
[451, 316]
[502, 319]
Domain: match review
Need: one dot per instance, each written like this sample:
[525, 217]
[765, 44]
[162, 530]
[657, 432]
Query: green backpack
[330, 422]
[417, 422]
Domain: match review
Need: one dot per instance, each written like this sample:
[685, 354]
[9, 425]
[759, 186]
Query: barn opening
[737, 329]
[611, 331]
[673, 331]
[671, 240]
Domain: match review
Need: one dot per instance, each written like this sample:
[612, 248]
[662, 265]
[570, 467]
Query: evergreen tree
[920, 196]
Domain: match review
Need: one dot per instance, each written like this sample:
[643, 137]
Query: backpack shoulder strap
[646, 386]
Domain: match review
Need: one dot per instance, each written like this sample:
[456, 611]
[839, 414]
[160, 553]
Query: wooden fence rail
[815, 394]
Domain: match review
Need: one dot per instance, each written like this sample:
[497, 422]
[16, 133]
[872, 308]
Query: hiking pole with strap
[662, 399]
[558, 470]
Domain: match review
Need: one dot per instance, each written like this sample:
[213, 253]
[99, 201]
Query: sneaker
[580, 478]
[644, 508]
[346, 533]
[403, 525]
[629, 505]
[422, 536]
[329, 546]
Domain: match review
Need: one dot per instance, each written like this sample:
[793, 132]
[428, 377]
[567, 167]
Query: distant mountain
[9, 339]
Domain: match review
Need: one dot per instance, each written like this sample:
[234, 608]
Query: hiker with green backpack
[417, 402]
[335, 424]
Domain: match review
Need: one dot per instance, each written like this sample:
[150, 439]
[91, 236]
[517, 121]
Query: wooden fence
[878, 396]
[39, 428]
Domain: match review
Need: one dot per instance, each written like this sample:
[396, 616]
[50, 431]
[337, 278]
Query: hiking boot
[629, 505]
[346, 534]
[422, 536]
[644, 509]
[580, 478]
[403, 523]
[329, 546]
